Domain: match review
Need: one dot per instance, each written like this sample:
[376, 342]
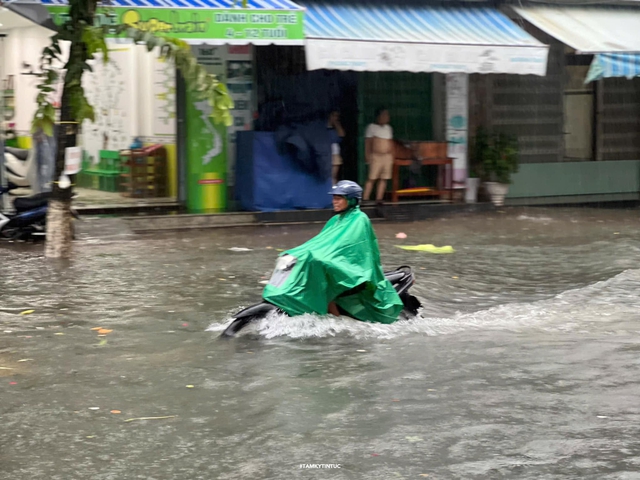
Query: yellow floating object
[27, 312]
[427, 248]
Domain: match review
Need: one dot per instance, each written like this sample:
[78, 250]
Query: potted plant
[497, 154]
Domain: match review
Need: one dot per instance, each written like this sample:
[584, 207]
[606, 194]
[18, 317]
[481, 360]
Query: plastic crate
[92, 180]
[86, 161]
[109, 161]
[81, 179]
[109, 181]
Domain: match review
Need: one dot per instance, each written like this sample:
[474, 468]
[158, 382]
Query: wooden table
[427, 153]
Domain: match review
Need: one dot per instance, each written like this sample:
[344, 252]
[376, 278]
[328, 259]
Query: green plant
[495, 155]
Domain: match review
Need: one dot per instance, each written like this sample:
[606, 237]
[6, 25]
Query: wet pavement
[524, 364]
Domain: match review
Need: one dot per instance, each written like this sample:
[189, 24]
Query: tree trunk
[59, 229]
[59, 218]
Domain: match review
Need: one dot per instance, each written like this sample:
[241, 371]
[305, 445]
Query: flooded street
[524, 363]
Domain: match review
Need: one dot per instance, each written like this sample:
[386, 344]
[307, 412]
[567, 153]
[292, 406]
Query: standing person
[338, 133]
[379, 154]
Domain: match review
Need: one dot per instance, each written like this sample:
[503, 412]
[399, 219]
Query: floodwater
[524, 364]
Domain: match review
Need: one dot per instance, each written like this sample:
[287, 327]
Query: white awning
[589, 30]
[366, 35]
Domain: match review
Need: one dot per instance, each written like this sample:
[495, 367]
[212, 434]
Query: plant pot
[497, 192]
[471, 193]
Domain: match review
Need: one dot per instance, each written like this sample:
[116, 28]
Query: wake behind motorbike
[401, 278]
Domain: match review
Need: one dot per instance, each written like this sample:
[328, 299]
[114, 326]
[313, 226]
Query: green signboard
[225, 26]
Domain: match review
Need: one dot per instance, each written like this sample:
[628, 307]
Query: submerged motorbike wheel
[11, 233]
[237, 325]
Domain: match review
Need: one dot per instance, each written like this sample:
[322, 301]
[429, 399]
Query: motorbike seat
[19, 153]
[22, 204]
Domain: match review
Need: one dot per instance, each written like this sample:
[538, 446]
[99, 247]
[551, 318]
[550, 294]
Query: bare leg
[335, 170]
[333, 309]
[368, 187]
[382, 187]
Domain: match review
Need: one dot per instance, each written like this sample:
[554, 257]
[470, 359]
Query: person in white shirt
[378, 148]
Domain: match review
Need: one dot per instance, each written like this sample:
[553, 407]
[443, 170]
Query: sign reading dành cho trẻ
[193, 25]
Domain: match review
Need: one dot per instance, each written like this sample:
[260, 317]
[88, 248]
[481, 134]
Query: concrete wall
[24, 45]
[572, 182]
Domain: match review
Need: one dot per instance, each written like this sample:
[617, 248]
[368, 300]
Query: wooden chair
[428, 153]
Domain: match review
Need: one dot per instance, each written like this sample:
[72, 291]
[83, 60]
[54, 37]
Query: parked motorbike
[30, 218]
[402, 280]
[19, 166]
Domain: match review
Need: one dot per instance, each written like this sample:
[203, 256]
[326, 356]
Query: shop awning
[606, 65]
[589, 30]
[214, 22]
[22, 14]
[368, 36]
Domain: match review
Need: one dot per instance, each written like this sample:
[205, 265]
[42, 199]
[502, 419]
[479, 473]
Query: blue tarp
[309, 144]
[267, 180]
[607, 65]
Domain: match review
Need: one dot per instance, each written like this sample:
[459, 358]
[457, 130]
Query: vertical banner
[458, 124]
[206, 143]
[240, 85]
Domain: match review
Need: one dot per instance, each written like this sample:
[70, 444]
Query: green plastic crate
[109, 181]
[92, 180]
[109, 161]
[80, 179]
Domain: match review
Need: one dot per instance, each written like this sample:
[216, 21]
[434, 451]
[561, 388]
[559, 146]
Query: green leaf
[42, 124]
[93, 38]
[49, 111]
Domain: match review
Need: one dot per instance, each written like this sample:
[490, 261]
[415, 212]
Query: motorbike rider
[346, 196]
[340, 268]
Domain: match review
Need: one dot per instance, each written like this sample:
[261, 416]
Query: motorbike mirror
[286, 262]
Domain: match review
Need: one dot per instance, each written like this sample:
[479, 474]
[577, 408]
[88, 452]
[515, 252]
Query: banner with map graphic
[206, 143]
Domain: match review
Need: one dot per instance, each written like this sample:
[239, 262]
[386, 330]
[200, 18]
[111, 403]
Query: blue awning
[366, 36]
[606, 65]
[207, 4]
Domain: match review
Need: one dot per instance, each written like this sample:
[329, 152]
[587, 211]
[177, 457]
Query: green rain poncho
[342, 256]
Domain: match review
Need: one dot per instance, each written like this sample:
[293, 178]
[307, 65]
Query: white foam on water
[580, 309]
[536, 218]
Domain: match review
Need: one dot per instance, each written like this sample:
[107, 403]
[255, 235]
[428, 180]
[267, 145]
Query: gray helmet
[347, 189]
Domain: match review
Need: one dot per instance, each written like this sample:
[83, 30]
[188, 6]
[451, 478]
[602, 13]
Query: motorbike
[30, 218]
[401, 278]
[19, 166]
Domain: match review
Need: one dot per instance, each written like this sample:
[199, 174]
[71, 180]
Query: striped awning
[611, 34]
[606, 65]
[218, 4]
[367, 36]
